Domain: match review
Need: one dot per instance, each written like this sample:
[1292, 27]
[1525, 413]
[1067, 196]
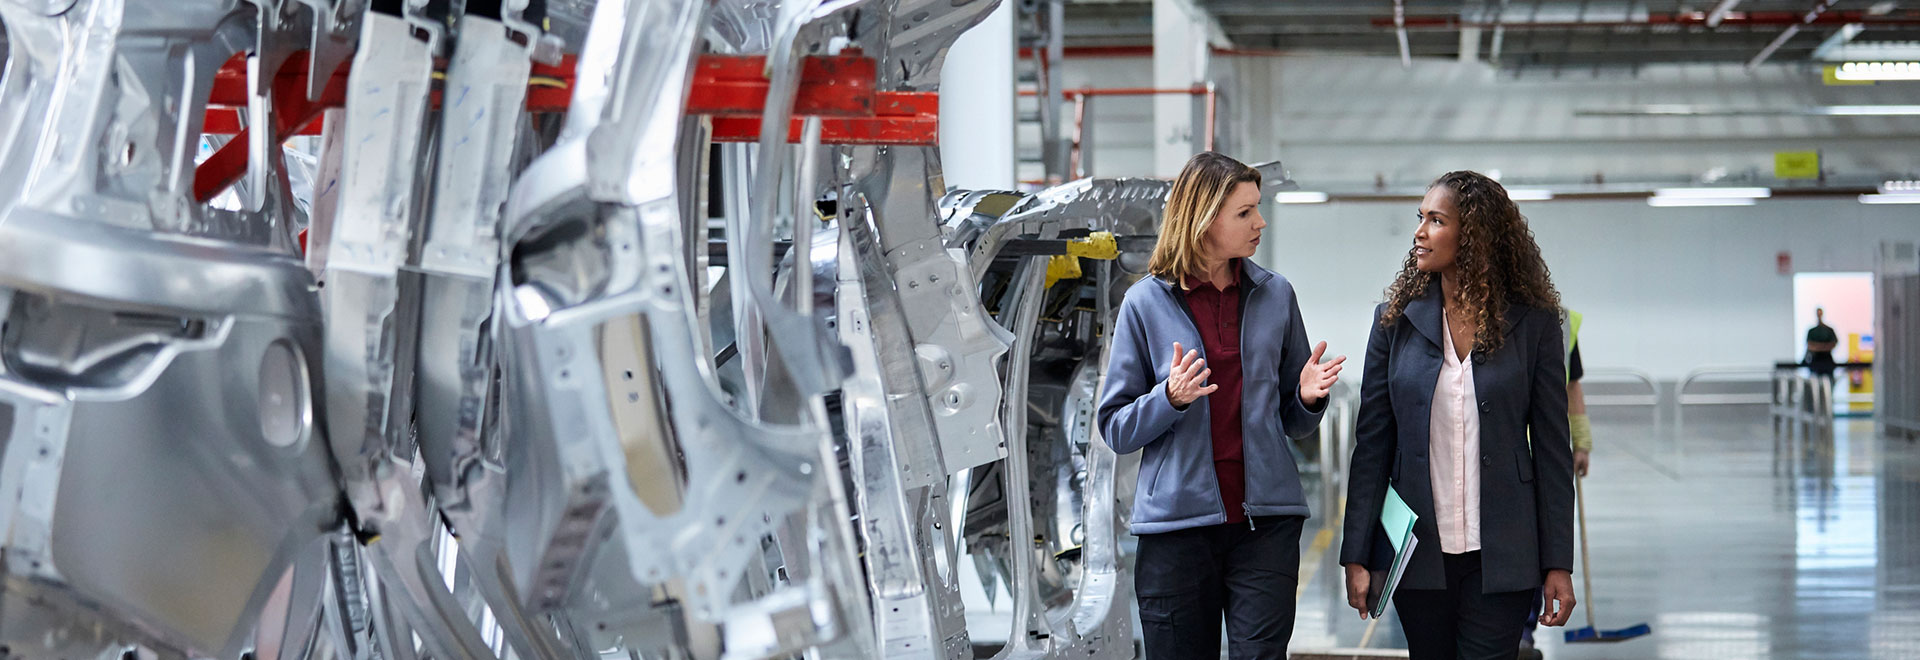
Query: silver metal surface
[1896, 351]
[907, 525]
[1061, 486]
[162, 463]
[490, 406]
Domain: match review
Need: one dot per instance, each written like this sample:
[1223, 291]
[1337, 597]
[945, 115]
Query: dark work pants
[1460, 622]
[1187, 579]
[1533, 613]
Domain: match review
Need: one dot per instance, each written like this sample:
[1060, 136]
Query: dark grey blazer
[1526, 489]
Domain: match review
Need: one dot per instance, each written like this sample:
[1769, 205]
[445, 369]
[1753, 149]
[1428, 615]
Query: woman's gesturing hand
[1186, 381]
[1316, 379]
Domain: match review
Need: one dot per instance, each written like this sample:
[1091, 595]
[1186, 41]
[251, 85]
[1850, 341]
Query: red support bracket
[736, 85]
[550, 86]
[293, 112]
[902, 118]
[838, 88]
[731, 88]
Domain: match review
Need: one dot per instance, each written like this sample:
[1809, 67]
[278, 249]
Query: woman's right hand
[1186, 381]
[1358, 581]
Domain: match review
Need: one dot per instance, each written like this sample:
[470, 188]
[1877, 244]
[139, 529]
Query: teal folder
[1396, 520]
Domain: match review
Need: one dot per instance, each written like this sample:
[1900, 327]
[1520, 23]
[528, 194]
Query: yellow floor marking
[1310, 562]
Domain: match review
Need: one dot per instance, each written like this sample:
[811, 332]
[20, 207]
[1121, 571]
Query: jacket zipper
[1180, 300]
[1246, 296]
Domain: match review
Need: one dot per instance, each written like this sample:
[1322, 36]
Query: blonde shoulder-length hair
[1196, 198]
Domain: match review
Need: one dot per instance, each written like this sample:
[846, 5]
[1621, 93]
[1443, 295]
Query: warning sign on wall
[1796, 164]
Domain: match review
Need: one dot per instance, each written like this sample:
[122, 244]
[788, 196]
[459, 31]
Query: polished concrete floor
[1730, 538]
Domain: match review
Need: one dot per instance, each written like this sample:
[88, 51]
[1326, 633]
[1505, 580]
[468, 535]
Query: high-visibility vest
[1569, 334]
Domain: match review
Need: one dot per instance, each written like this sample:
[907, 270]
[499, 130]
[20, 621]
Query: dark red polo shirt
[1217, 314]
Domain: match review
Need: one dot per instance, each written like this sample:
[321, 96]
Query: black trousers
[1188, 579]
[1459, 622]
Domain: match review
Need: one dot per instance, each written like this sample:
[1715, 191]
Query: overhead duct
[1812, 14]
[1720, 12]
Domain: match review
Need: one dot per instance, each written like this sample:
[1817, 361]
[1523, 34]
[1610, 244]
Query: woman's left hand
[1557, 591]
[1316, 379]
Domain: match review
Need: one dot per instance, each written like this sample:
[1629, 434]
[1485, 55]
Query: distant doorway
[1847, 299]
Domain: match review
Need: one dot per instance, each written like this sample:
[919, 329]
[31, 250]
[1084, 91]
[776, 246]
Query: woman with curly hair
[1463, 411]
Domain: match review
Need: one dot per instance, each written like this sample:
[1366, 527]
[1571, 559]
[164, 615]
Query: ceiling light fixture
[1298, 197]
[1878, 71]
[1906, 198]
[1683, 110]
[1894, 187]
[1713, 193]
[1871, 110]
[1667, 202]
[1529, 194]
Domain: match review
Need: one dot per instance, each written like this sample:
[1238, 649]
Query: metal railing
[1651, 398]
[1336, 443]
[1683, 398]
[1802, 397]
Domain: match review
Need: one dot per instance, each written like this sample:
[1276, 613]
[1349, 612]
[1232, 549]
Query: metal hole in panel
[285, 402]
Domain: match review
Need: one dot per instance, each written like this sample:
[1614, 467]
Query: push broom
[1589, 633]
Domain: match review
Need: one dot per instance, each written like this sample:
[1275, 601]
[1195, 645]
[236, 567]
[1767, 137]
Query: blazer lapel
[1424, 312]
[1423, 368]
[1515, 313]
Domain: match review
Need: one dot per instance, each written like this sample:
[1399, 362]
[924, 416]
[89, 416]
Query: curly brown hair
[1499, 262]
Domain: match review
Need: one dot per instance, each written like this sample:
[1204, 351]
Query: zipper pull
[1249, 514]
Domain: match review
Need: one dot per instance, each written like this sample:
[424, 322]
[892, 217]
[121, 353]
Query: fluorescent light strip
[1906, 198]
[1871, 110]
[1699, 201]
[1878, 71]
[1713, 193]
[1297, 197]
[1682, 110]
[1529, 194]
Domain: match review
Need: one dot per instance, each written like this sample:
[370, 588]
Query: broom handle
[1586, 573]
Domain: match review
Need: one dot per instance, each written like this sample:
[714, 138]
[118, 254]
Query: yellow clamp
[1062, 267]
[1098, 245]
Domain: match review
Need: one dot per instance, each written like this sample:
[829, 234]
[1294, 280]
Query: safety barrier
[1802, 397]
[1651, 398]
[1682, 397]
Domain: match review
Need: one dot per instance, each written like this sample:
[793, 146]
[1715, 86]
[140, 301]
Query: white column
[976, 105]
[1179, 61]
[1469, 44]
[977, 153]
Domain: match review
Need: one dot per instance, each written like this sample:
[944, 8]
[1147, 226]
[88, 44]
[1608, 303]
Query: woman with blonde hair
[1209, 376]
[1463, 412]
